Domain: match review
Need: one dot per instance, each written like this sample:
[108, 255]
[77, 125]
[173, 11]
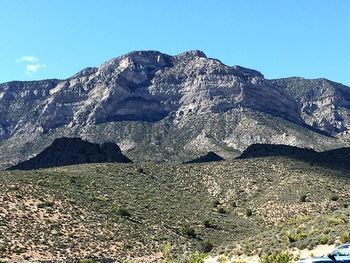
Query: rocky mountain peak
[85, 72]
[187, 104]
[191, 54]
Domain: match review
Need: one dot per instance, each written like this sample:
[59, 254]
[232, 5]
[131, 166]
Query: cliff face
[322, 104]
[159, 107]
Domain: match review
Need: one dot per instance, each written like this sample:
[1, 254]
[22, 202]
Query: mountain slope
[171, 108]
[115, 211]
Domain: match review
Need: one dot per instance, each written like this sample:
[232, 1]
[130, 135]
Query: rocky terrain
[165, 108]
[68, 151]
[166, 213]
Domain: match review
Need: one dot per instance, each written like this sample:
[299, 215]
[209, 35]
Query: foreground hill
[158, 107]
[122, 211]
[67, 151]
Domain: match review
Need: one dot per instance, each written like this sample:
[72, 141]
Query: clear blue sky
[56, 38]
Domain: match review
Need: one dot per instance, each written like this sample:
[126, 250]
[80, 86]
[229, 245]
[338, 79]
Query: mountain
[158, 107]
[209, 157]
[69, 151]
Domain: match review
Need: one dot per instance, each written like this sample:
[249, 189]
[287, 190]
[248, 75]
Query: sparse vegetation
[170, 210]
[277, 257]
[344, 237]
[248, 212]
[188, 231]
[323, 240]
[303, 198]
[221, 210]
[123, 212]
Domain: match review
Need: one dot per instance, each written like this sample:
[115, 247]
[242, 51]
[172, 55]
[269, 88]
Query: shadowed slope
[209, 157]
[337, 158]
[67, 151]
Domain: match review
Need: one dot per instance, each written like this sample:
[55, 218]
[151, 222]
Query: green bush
[303, 198]
[333, 221]
[277, 257]
[323, 240]
[88, 260]
[196, 258]
[166, 249]
[344, 237]
[221, 210]
[123, 212]
[334, 198]
[188, 231]
[296, 237]
[249, 212]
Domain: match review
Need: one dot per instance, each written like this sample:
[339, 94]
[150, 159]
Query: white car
[340, 254]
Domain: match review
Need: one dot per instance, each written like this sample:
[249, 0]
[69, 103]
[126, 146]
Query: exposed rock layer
[172, 108]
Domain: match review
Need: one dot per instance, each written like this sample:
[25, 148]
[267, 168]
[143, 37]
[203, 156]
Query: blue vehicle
[340, 254]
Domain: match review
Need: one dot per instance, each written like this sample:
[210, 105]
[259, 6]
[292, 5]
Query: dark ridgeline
[209, 157]
[68, 151]
[337, 158]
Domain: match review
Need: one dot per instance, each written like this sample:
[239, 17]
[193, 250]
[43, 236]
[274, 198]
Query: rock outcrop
[69, 151]
[158, 107]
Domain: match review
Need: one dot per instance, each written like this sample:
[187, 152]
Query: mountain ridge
[159, 107]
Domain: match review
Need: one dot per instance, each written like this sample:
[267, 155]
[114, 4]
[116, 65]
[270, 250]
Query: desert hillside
[152, 212]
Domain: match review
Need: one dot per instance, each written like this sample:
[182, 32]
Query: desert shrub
[166, 249]
[205, 246]
[45, 204]
[333, 221]
[344, 237]
[277, 257]
[323, 240]
[123, 212]
[196, 258]
[222, 259]
[221, 210]
[18, 194]
[188, 231]
[88, 260]
[299, 235]
[140, 170]
[248, 212]
[208, 224]
[216, 203]
[334, 198]
[303, 198]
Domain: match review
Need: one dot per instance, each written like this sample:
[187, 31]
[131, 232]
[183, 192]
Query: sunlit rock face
[159, 107]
